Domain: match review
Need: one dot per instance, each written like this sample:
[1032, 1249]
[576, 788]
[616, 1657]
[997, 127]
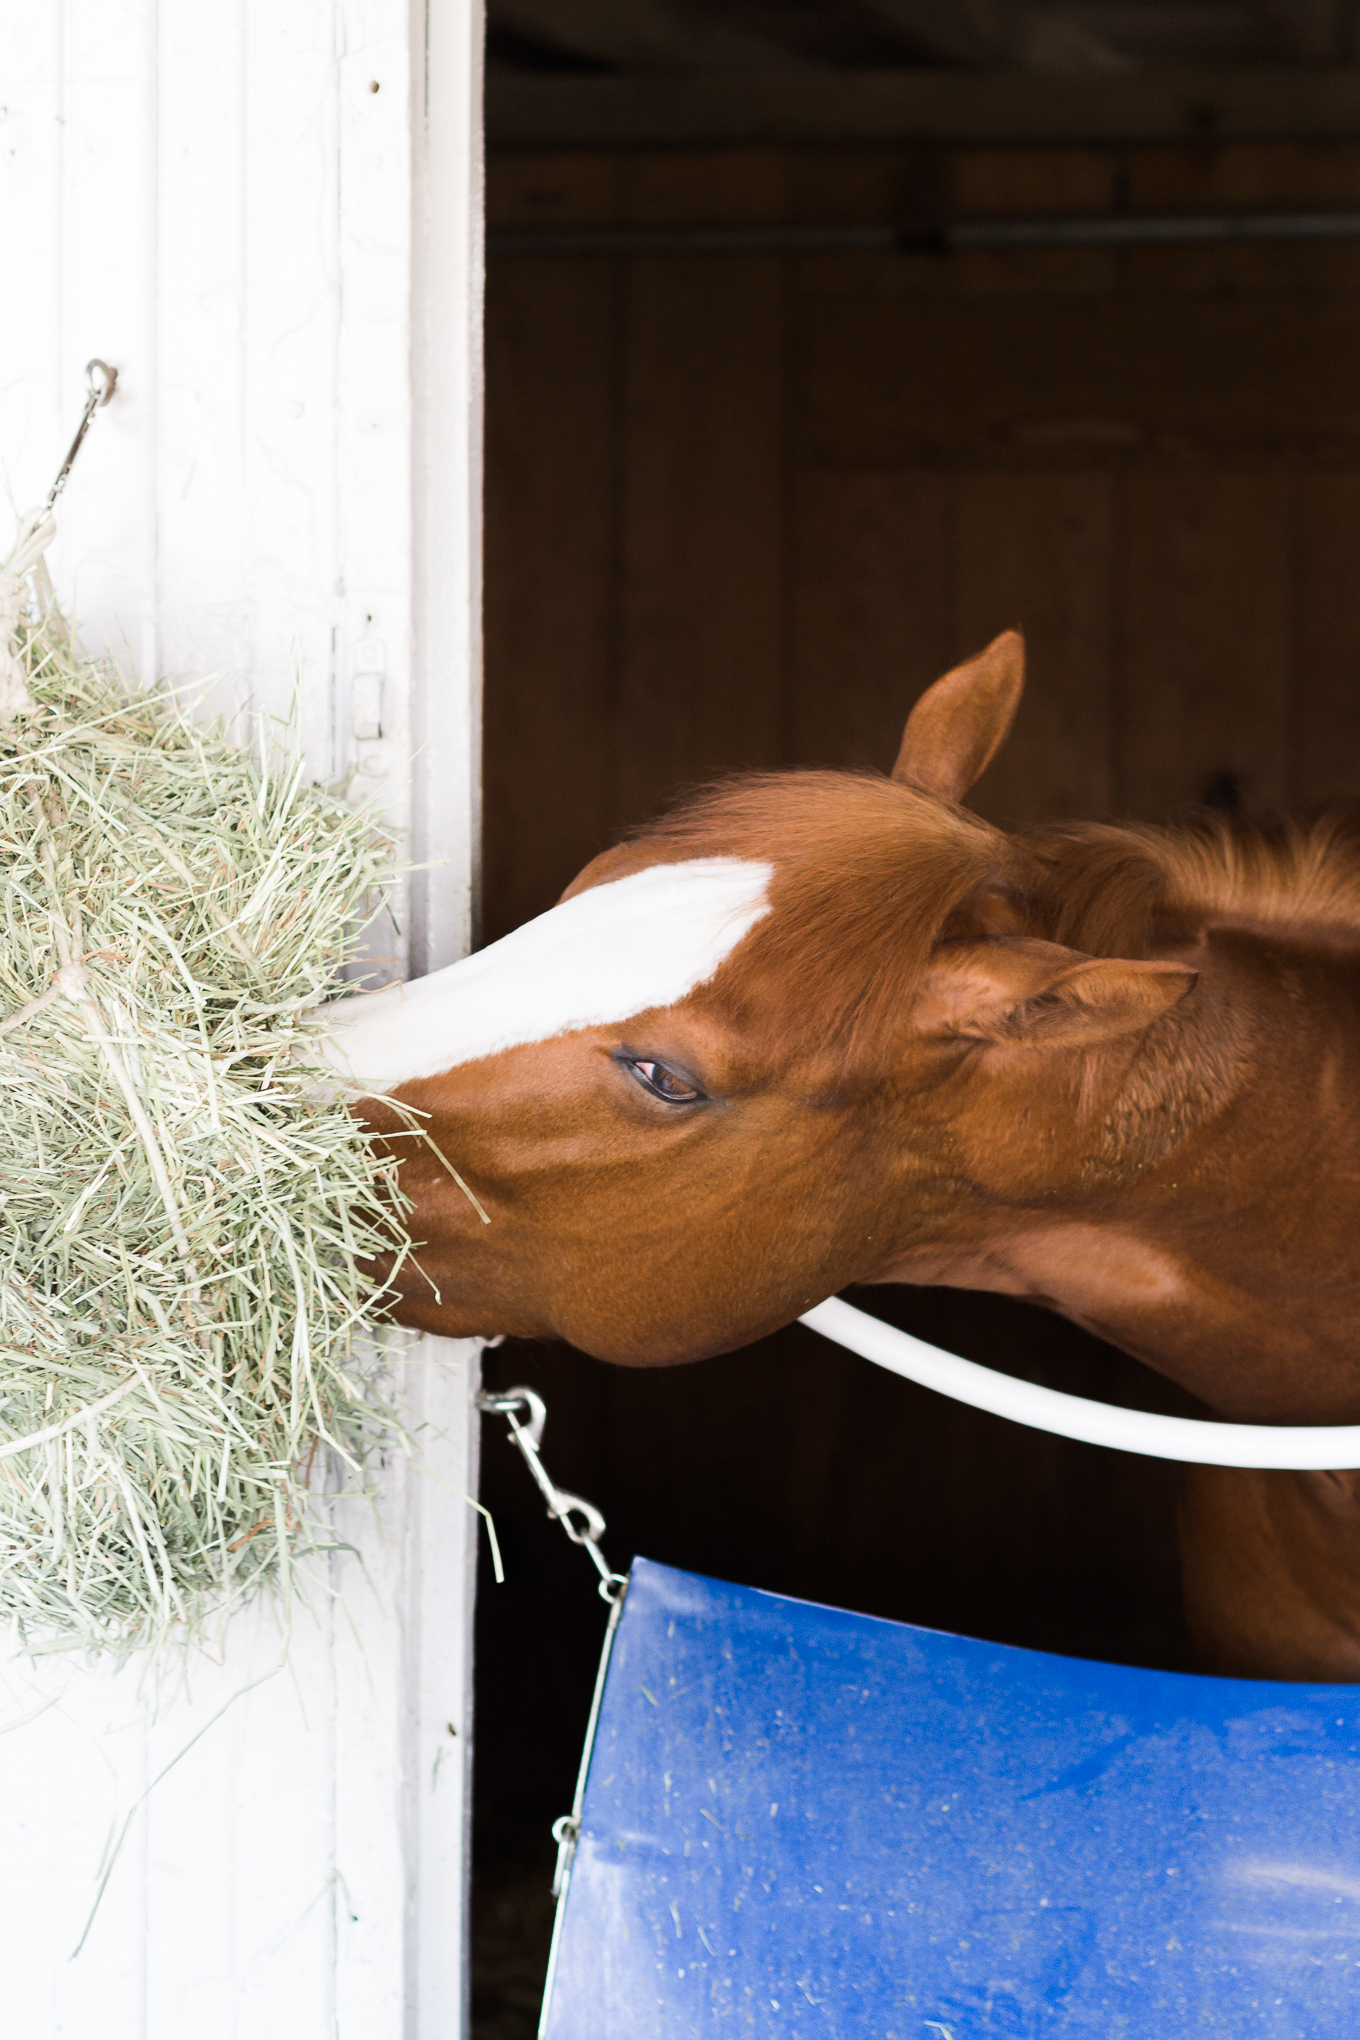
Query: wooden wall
[740, 510]
[220, 201]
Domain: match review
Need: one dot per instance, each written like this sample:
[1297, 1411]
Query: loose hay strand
[188, 1215]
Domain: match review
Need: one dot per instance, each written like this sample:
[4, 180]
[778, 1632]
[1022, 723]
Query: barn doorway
[744, 501]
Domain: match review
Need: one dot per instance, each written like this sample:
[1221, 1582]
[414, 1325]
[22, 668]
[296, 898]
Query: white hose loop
[1298, 1448]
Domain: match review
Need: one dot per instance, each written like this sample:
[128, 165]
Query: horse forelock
[867, 876]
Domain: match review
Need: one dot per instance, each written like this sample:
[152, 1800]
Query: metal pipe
[1195, 1441]
[1111, 231]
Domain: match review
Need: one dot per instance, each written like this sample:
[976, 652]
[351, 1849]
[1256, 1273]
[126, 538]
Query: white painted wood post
[266, 214]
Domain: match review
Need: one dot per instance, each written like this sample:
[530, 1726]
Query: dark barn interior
[778, 427]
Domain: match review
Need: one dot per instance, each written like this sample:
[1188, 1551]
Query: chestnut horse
[819, 1028]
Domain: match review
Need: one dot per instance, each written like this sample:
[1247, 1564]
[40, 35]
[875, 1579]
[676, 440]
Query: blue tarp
[803, 1821]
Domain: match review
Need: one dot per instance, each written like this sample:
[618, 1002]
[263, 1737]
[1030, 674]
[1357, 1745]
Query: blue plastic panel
[801, 1821]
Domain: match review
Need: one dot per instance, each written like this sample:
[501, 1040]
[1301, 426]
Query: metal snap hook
[511, 1403]
[101, 380]
[567, 1506]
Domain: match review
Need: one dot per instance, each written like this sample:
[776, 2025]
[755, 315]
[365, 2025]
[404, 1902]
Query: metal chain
[565, 1508]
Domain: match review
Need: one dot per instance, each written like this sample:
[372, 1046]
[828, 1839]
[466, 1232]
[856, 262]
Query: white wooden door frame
[267, 215]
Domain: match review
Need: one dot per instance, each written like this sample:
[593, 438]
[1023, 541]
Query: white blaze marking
[618, 949]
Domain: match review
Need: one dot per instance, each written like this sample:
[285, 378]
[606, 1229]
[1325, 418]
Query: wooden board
[1325, 677]
[1037, 551]
[1075, 378]
[233, 207]
[1194, 105]
[701, 534]
[871, 610]
[832, 475]
[1205, 632]
[550, 604]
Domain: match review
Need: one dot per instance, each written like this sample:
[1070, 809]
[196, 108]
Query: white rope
[1303, 1447]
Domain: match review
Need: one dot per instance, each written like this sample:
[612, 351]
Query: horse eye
[664, 1083]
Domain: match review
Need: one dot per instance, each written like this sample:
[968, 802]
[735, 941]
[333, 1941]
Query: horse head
[793, 1035]
[820, 1028]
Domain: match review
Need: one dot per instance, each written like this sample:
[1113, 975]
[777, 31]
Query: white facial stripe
[618, 949]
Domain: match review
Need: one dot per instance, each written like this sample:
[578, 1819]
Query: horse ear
[959, 724]
[1016, 990]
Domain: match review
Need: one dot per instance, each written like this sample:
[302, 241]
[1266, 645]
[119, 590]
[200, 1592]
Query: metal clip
[522, 1403]
[517, 1399]
[566, 1832]
[562, 1506]
[102, 381]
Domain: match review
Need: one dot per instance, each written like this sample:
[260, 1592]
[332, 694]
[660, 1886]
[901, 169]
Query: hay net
[184, 1210]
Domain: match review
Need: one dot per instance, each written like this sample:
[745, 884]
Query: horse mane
[1112, 889]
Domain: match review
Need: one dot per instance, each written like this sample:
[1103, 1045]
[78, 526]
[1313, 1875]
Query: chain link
[565, 1508]
[525, 1414]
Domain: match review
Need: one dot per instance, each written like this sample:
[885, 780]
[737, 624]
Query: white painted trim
[442, 1379]
[447, 372]
[1191, 1440]
[448, 278]
[284, 265]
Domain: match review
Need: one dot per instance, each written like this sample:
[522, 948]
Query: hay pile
[181, 1212]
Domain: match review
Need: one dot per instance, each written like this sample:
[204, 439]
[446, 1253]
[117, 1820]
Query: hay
[182, 1213]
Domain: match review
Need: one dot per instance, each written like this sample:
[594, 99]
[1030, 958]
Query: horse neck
[1206, 1213]
[1259, 1070]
